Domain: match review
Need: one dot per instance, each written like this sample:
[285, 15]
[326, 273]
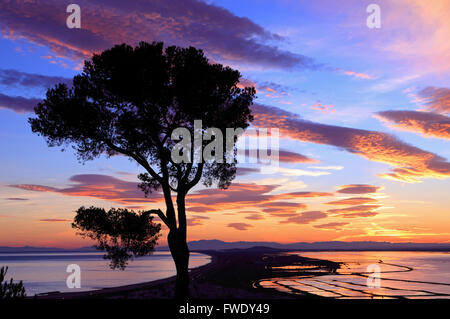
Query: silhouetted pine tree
[10, 289]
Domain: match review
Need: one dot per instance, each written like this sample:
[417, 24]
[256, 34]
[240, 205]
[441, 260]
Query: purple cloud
[18, 104]
[98, 186]
[305, 217]
[435, 99]
[284, 156]
[358, 189]
[411, 164]
[353, 201]
[11, 77]
[104, 23]
[427, 123]
[331, 226]
[196, 220]
[254, 217]
[239, 226]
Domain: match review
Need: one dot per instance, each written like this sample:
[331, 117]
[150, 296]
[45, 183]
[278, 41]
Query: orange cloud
[239, 226]
[199, 209]
[251, 196]
[234, 197]
[36, 188]
[291, 157]
[357, 74]
[331, 226]
[254, 217]
[353, 201]
[282, 209]
[356, 211]
[99, 186]
[358, 208]
[411, 164]
[323, 108]
[269, 89]
[284, 156]
[434, 99]
[429, 124]
[195, 220]
[358, 189]
[293, 195]
[359, 214]
[202, 201]
[305, 217]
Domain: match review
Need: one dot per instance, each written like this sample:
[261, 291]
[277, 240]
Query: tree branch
[186, 173]
[196, 178]
[160, 215]
[137, 158]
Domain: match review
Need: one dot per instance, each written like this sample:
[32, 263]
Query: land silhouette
[230, 274]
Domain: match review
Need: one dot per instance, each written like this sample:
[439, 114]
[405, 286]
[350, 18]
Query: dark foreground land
[231, 274]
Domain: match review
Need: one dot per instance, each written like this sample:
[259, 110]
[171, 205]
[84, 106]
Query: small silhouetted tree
[10, 289]
[129, 100]
[122, 233]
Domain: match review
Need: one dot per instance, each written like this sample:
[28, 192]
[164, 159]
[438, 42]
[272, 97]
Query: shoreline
[211, 281]
[264, 273]
[105, 292]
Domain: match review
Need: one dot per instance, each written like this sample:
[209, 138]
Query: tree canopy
[129, 100]
[123, 234]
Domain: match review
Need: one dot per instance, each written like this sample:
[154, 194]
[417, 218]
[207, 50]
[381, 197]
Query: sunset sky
[363, 116]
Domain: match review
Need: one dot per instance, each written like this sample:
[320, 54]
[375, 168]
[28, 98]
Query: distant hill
[215, 244]
[316, 246]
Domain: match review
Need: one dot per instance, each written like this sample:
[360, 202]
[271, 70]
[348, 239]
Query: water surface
[46, 272]
[402, 275]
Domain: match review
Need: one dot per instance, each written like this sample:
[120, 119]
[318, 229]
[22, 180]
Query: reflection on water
[403, 274]
[46, 272]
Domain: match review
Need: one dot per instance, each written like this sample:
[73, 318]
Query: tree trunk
[180, 254]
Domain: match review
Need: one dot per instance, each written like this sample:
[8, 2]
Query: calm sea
[46, 272]
[401, 275]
